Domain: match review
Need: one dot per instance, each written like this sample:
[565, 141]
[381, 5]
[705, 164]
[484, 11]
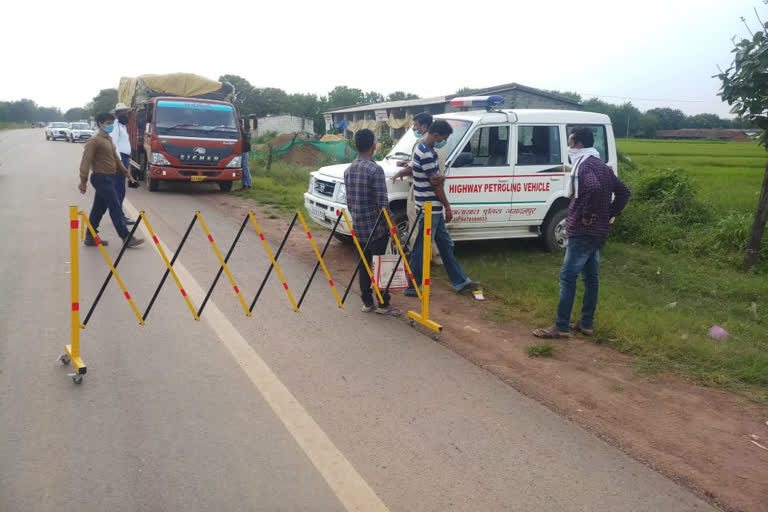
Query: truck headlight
[236, 162]
[76, 134]
[342, 198]
[159, 159]
[311, 184]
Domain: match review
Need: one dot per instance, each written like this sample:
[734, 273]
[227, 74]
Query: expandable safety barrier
[78, 222]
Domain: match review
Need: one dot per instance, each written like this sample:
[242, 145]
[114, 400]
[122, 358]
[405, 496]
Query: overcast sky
[653, 53]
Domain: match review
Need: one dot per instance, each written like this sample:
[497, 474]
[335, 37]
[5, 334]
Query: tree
[745, 88]
[243, 99]
[400, 96]
[706, 122]
[105, 101]
[669, 118]
[373, 97]
[466, 91]
[75, 114]
[343, 96]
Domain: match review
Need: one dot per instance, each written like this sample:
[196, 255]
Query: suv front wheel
[554, 231]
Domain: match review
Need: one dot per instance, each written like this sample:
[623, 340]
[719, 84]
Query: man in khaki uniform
[100, 156]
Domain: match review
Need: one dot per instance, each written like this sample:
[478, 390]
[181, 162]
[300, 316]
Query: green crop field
[728, 174]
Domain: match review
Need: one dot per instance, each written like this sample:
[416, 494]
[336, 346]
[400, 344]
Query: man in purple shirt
[597, 197]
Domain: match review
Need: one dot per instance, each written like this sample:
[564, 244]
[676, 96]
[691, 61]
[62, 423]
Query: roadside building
[396, 116]
[285, 124]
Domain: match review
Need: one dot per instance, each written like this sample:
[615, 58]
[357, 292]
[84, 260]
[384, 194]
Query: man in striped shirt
[425, 168]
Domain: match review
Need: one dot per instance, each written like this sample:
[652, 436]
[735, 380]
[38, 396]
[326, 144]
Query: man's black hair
[423, 119]
[584, 135]
[104, 117]
[441, 128]
[364, 140]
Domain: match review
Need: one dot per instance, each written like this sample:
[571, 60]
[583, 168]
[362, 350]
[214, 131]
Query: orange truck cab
[185, 138]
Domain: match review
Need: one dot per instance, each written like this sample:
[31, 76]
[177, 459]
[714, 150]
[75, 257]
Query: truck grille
[325, 188]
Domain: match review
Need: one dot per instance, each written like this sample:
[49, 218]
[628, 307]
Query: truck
[183, 128]
[506, 176]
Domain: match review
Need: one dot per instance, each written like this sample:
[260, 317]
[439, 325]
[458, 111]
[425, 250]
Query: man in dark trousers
[366, 196]
[597, 197]
[100, 156]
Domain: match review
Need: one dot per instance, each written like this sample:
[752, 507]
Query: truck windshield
[196, 119]
[404, 147]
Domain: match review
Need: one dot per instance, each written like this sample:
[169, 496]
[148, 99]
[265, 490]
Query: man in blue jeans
[597, 197]
[427, 187]
[245, 132]
[100, 156]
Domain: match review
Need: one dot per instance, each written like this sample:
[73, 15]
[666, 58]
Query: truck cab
[185, 139]
[507, 173]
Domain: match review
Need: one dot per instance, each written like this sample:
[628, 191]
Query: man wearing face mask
[123, 144]
[597, 197]
[100, 156]
[425, 168]
[421, 124]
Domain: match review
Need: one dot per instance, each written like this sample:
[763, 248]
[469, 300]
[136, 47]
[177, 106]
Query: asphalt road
[322, 410]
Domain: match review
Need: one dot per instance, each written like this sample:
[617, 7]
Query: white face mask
[572, 154]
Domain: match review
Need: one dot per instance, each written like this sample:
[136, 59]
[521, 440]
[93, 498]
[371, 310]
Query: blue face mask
[108, 128]
[441, 144]
[417, 133]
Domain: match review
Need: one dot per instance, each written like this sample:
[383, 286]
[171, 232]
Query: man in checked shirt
[366, 196]
[597, 197]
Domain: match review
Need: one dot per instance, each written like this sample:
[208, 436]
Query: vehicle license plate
[317, 213]
[198, 178]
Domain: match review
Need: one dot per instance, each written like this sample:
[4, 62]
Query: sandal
[390, 311]
[551, 333]
[576, 326]
[366, 309]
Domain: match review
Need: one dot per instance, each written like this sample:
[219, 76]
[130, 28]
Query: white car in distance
[80, 131]
[57, 130]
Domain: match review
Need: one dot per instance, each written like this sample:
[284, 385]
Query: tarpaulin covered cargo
[135, 91]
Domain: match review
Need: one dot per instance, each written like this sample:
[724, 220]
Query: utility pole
[627, 124]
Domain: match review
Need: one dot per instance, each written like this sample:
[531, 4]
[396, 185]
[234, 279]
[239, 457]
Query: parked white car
[57, 130]
[505, 174]
[80, 131]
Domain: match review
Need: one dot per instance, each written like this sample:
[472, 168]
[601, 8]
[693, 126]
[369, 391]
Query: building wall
[285, 124]
[516, 98]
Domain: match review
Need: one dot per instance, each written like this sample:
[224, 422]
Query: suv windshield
[196, 119]
[80, 126]
[404, 147]
[59, 125]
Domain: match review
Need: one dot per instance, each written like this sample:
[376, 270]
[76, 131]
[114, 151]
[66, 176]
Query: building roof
[391, 104]
[446, 98]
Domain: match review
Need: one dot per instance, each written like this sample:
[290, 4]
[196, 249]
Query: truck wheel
[225, 186]
[153, 184]
[47, 137]
[345, 239]
[553, 231]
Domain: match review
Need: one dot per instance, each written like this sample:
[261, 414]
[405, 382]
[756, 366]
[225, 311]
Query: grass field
[728, 174]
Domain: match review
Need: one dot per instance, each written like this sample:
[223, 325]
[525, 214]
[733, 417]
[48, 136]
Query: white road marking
[342, 478]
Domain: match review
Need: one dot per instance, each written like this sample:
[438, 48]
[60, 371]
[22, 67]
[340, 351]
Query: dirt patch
[306, 154]
[700, 437]
[280, 140]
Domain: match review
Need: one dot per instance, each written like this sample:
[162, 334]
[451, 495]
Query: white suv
[57, 130]
[505, 174]
[80, 131]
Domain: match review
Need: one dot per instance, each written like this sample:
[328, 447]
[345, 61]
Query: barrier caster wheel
[435, 336]
[64, 359]
[412, 323]
[77, 378]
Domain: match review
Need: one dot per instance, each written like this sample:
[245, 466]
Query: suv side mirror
[463, 159]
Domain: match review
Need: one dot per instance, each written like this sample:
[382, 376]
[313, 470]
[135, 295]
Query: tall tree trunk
[758, 227]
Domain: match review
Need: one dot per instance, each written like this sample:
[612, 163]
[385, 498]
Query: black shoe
[474, 285]
[133, 241]
[91, 242]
